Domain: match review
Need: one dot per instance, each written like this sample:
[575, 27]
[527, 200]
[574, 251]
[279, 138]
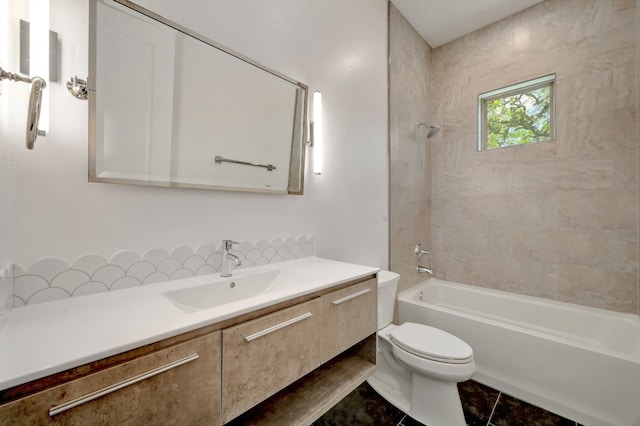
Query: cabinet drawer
[263, 356]
[348, 316]
[178, 385]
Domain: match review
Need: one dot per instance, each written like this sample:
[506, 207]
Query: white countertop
[47, 338]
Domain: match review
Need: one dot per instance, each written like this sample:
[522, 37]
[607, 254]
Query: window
[517, 115]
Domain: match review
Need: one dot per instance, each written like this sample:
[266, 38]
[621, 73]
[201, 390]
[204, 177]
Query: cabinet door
[179, 385]
[262, 356]
[348, 316]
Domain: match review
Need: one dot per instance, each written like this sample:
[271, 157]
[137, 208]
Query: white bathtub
[582, 363]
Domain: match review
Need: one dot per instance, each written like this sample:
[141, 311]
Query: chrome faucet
[228, 258]
[418, 252]
[422, 269]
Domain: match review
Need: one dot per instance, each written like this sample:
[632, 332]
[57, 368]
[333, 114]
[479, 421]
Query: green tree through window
[517, 116]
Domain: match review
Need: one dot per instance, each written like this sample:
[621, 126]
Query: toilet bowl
[418, 366]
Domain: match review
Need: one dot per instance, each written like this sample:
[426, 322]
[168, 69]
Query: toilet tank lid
[387, 277]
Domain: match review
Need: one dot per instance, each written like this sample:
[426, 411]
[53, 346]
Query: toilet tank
[387, 286]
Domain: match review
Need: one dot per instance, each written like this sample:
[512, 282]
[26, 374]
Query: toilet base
[425, 396]
[391, 384]
[392, 390]
[436, 403]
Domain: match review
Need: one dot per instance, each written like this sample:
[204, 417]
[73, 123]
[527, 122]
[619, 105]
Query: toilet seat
[431, 343]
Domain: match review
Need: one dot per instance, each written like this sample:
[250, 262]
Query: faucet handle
[418, 251]
[228, 244]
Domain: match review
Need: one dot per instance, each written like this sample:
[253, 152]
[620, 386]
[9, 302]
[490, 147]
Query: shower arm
[35, 102]
[432, 129]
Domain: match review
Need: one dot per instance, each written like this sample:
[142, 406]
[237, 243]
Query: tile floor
[482, 405]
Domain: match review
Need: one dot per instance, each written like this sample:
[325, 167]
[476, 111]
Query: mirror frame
[296, 177]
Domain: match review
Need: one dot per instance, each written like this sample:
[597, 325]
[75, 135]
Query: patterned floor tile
[363, 406]
[510, 411]
[482, 406]
[477, 402]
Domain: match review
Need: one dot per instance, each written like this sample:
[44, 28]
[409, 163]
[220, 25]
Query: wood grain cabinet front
[263, 356]
[349, 315]
[179, 385]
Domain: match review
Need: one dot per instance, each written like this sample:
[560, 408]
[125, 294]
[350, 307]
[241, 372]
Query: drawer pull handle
[351, 296]
[276, 327]
[117, 386]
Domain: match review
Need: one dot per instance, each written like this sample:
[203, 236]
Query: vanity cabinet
[262, 356]
[339, 347]
[349, 315]
[286, 363]
[178, 385]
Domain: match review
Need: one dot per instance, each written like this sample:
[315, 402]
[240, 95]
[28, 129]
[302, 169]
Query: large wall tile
[410, 150]
[610, 130]
[583, 19]
[555, 219]
[600, 288]
[603, 210]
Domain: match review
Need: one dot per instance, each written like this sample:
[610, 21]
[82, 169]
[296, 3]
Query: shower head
[432, 129]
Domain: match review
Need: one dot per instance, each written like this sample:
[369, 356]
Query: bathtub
[582, 363]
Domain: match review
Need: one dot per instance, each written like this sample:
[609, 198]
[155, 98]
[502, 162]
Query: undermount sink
[222, 292]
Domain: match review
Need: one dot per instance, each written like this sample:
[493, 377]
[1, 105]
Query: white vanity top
[42, 339]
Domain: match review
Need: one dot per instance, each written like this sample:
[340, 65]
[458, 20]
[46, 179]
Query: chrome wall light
[39, 61]
[38, 57]
[316, 132]
[35, 104]
[25, 51]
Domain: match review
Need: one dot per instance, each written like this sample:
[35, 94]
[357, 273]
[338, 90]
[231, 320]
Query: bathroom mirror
[169, 107]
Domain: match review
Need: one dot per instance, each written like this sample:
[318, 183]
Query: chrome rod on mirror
[220, 160]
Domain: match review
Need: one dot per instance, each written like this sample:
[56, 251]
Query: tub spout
[422, 269]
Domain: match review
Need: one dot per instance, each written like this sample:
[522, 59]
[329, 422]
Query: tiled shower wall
[409, 172]
[557, 220]
[52, 278]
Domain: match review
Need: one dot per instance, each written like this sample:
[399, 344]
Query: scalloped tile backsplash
[52, 278]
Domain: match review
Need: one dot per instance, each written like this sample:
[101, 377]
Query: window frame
[514, 89]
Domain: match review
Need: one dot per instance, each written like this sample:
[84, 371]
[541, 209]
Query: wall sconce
[39, 54]
[317, 133]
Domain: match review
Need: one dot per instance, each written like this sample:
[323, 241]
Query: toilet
[418, 366]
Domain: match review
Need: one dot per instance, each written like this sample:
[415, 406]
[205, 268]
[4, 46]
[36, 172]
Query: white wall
[6, 289]
[4, 125]
[334, 46]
